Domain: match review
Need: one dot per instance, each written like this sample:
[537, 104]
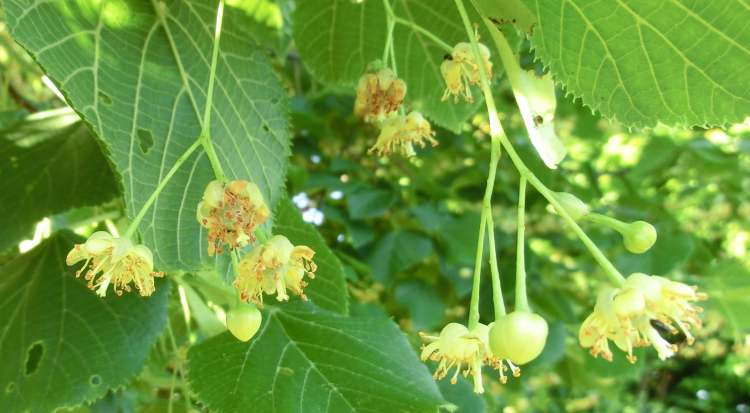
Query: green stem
[610, 222]
[419, 29]
[506, 55]
[522, 300]
[174, 372]
[206, 132]
[389, 37]
[163, 183]
[497, 289]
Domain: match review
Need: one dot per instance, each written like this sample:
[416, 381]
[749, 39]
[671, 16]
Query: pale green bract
[678, 62]
[114, 63]
[305, 360]
[337, 39]
[60, 344]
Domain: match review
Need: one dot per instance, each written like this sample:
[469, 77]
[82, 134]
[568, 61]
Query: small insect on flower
[118, 261]
[462, 70]
[231, 213]
[400, 134]
[273, 268]
[379, 95]
[625, 316]
[465, 350]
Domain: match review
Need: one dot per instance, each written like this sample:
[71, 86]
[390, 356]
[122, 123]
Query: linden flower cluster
[400, 133]
[623, 315]
[460, 70]
[379, 99]
[465, 350]
[273, 268]
[118, 262]
[379, 95]
[231, 212]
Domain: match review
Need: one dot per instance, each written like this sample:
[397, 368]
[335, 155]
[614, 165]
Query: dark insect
[668, 333]
[538, 120]
[447, 56]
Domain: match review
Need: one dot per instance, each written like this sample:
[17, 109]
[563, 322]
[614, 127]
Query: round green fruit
[519, 336]
[639, 237]
[244, 321]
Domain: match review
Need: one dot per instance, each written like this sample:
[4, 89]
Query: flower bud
[639, 236]
[519, 336]
[379, 95]
[244, 321]
[576, 208]
[460, 70]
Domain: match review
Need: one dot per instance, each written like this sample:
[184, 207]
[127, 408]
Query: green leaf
[328, 289]
[728, 287]
[368, 202]
[53, 164]
[398, 251]
[337, 39]
[426, 307]
[642, 62]
[61, 345]
[114, 63]
[313, 361]
[508, 11]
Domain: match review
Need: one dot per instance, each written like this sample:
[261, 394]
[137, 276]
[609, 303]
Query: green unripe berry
[639, 236]
[244, 321]
[519, 336]
[576, 208]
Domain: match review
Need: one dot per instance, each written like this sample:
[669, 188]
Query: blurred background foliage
[405, 231]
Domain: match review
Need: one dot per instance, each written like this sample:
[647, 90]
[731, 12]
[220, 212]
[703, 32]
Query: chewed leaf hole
[95, 380]
[33, 357]
[145, 139]
[104, 98]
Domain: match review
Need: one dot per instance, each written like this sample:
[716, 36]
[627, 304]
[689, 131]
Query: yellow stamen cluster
[231, 213]
[460, 70]
[117, 261]
[379, 95]
[624, 315]
[465, 350]
[400, 133]
[273, 268]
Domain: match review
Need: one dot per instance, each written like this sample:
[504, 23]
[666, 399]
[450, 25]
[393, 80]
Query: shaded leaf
[61, 345]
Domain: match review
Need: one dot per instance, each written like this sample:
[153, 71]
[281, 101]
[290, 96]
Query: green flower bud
[576, 208]
[519, 336]
[244, 321]
[639, 236]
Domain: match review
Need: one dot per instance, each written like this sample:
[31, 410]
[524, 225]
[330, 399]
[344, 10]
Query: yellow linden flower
[466, 351]
[379, 95]
[273, 268]
[400, 134]
[119, 262]
[460, 70]
[624, 315]
[231, 213]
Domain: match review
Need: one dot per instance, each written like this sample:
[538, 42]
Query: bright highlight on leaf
[537, 102]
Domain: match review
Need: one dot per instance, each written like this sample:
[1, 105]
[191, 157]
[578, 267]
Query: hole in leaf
[11, 387]
[145, 139]
[104, 98]
[95, 380]
[34, 357]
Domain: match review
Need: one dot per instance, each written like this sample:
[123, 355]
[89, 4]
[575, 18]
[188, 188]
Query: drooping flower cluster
[231, 213]
[273, 268]
[465, 350]
[400, 133]
[379, 95]
[624, 316]
[460, 70]
[117, 261]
